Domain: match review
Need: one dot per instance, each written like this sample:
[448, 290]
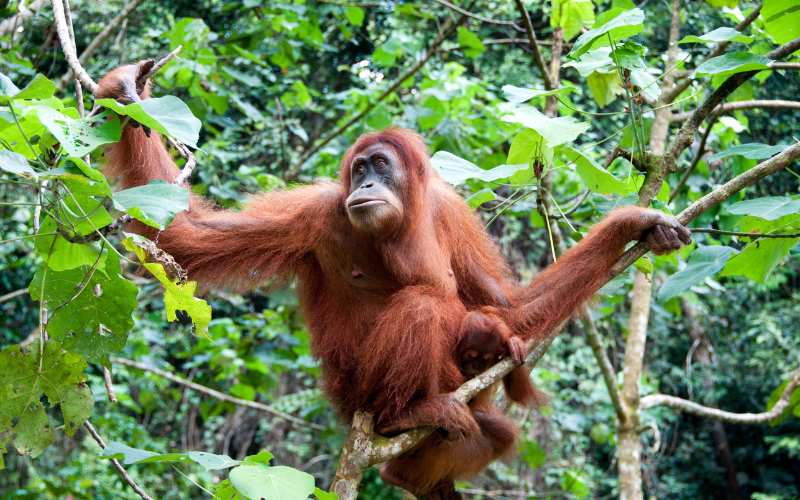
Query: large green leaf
[470, 43]
[518, 95]
[723, 34]
[751, 151]
[167, 115]
[79, 137]
[624, 25]
[704, 262]
[733, 62]
[596, 177]
[768, 207]
[15, 163]
[129, 456]
[90, 310]
[456, 170]
[781, 19]
[759, 258]
[258, 481]
[177, 296]
[154, 204]
[555, 131]
[572, 16]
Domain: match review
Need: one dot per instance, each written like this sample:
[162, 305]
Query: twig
[684, 405]
[701, 151]
[12, 295]
[188, 167]
[785, 65]
[122, 472]
[739, 105]
[109, 385]
[480, 18]
[743, 235]
[447, 29]
[101, 37]
[606, 369]
[534, 43]
[216, 394]
[66, 46]
[160, 64]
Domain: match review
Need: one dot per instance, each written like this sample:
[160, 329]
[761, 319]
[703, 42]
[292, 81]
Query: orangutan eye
[380, 163]
[360, 169]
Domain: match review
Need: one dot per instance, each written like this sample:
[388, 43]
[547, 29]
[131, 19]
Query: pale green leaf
[751, 151]
[167, 115]
[703, 262]
[781, 19]
[768, 207]
[456, 170]
[594, 176]
[733, 62]
[624, 25]
[718, 35]
[757, 260]
[258, 481]
[15, 163]
[555, 131]
[518, 95]
[154, 204]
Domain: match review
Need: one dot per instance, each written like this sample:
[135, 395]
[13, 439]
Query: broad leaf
[154, 204]
[624, 25]
[723, 34]
[781, 19]
[759, 258]
[79, 137]
[456, 170]
[704, 262]
[751, 151]
[572, 16]
[354, 14]
[733, 62]
[129, 456]
[470, 43]
[15, 163]
[261, 481]
[518, 95]
[768, 207]
[555, 131]
[596, 177]
[483, 196]
[167, 115]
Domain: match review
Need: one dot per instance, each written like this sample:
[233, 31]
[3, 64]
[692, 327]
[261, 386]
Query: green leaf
[76, 406]
[39, 88]
[483, 196]
[167, 115]
[354, 14]
[456, 170]
[63, 255]
[751, 151]
[518, 95]
[79, 137]
[533, 454]
[261, 481]
[625, 25]
[647, 83]
[555, 131]
[781, 19]
[572, 16]
[90, 311]
[574, 482]
[594, 60]
[593, 175]
[33, 432]
[7, 88]
[768, 207]
[528, 146]
[325, 495]
[757, 260]
[15, 163]
[154, 204]
[125, 453]
[703, 262]
[723, 34]
[224, 490]
[470, 43]
[177, 296]
[262, 457]
[733, 62]
[604, 86]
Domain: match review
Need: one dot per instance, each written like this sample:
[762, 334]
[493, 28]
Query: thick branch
[684, 405]
[101, 37]
[534, 43]
[122, 472]
[448, 28]
[216, 394]
[729, 107]
[66, 46]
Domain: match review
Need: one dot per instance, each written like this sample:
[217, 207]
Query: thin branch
[160, 64]
[109, 385]
[489, 20]
[122, 472]
[729, 107]
[785, 65]
[684, 405]
[12, 295]
[534, 43]
[606, 369]
[447, 29]
[755, 236]
[100, 38]
[684, 136]
[718, 49]
[701, 151]
[66, 46]
[216, 394]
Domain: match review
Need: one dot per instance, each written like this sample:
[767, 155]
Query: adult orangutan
[395, 277]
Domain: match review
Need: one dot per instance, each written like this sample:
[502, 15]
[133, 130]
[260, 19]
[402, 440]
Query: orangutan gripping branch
[404, 293]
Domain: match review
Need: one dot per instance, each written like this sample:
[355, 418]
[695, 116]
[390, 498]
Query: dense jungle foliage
[270, 95]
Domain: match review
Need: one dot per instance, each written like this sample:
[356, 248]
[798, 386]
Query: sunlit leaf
[757, 260]
[15, 163]
[167, 115]
[456, 170]
[723, 34]
[731, 63]
[262, 481]
[624, 25]
[768, 207]
[154, 204]
[781, 19]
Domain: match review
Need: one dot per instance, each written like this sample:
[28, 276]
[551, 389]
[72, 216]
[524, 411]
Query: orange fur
[384, 314]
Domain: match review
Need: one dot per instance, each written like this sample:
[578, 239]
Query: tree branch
[122, 472]
[684, 405]
[755, 236]
[606, 369]
[534, 43]
[66, 46]
[739, 105]
[785, 65]
[101, 37]
[214, 393]
[9, 25]
[489, 20]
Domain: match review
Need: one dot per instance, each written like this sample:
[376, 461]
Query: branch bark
[122, 472]
[483, 19]
[684, 405]
[729, 107]
[534, 43]
[66, 46]
[214, 393]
